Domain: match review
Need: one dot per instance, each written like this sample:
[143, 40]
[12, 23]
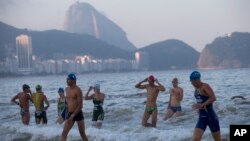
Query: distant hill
[48, 43]
[231, 51]
[171, 54]
[83, 18]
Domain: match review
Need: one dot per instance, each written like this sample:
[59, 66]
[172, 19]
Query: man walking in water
[23, 103]
[152, 94]
[74, 99]
[207, 117]
[175, 98]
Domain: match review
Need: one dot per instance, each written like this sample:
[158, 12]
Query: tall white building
[142, 60]
[24, 54]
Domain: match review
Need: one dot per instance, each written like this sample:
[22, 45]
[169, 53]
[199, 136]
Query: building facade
[24, 54]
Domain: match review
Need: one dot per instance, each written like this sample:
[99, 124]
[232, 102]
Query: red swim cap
[151, 78]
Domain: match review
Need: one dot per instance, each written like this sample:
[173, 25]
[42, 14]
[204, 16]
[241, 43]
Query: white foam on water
[124, 110]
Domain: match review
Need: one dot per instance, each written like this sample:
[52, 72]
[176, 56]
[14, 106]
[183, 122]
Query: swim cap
[97, 86]
[71, 76]
[38, 87]
[195, 75]
[60, 90]
[151, 78]
[25, 86]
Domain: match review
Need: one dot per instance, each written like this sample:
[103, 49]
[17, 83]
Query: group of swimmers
[38, 98]
[203, 94]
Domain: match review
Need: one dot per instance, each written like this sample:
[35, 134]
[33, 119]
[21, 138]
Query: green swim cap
[38, 87]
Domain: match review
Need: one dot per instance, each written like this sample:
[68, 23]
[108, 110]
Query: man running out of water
[98, 99]
[39, 99]
[152, 94]
[74, 99]
[24, 98]
[207, 117]
[175, 98]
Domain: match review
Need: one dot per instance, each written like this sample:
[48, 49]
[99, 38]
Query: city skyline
[195, 22]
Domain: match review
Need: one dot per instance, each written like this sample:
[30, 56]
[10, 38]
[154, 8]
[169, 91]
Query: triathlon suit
[207, 116]
[40, 113]
[61, 104]
[98, 113]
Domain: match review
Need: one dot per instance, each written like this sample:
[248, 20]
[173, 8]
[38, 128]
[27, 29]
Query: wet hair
[25, 86]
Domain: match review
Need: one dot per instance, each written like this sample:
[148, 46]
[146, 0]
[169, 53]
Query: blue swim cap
[195, 75]
[60, 90]
[71, 76]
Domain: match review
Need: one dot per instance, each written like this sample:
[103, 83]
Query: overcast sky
[196, 22]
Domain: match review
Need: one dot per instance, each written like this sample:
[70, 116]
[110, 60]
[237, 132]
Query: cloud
[6, 4]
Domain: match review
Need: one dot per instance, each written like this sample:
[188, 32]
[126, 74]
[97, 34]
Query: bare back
[24, 100]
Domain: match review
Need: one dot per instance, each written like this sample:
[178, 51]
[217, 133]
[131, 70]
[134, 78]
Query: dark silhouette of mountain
[171, 54]
[48, 43]
[231, 51]
[84, 19]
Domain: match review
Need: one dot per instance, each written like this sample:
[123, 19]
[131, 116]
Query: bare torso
[176, 96]
[71, 97]
[152, 93]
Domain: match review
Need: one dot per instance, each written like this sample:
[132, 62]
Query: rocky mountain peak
[84, 19]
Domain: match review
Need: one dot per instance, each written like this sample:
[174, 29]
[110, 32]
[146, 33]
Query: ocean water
[124, 108]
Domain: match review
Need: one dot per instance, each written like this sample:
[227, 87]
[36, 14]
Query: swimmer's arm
[169, 102]
[102, 99]
[58, 100]
[180, 97]
[47, 102]
[140, 86]
[210, 94]
[160, 86]
[30, 98]
[30, 93]
[14, 100]
[238, 97]
[87, 97]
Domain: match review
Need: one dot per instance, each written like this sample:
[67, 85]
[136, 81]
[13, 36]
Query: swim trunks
[24, 111]
[79, 116]
[175, 108]
[150, 109]
[41, 115]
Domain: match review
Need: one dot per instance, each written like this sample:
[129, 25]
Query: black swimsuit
[98, 113]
